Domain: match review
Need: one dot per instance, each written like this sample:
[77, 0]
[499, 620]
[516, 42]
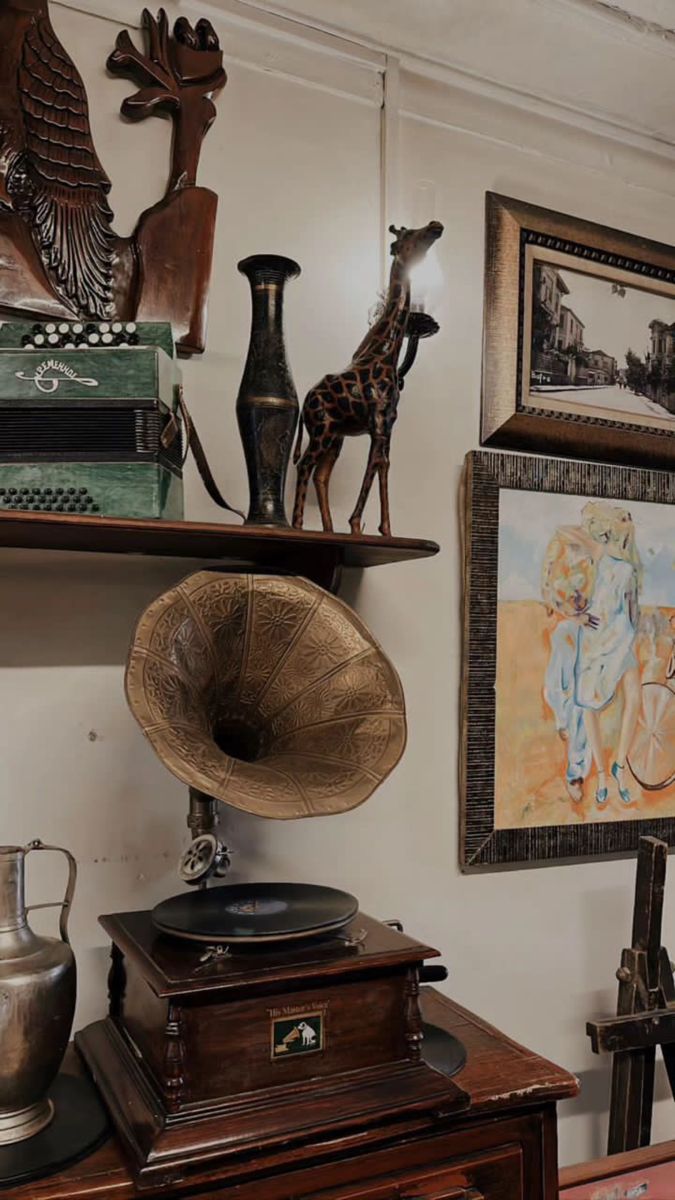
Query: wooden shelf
[317, 556]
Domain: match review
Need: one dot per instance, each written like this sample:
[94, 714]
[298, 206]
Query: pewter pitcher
[37, 1000]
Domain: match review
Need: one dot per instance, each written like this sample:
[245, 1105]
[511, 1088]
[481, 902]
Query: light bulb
[426, 282]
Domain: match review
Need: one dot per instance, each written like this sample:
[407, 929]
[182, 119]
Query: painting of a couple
[585, 727]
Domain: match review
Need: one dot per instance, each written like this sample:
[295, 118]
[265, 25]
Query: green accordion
[89, 419]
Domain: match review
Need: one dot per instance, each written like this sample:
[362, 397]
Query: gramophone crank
[206, 856]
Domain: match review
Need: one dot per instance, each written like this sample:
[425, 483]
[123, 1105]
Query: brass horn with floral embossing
[267, 693]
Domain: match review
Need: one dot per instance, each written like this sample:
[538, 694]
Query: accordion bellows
[267, 693]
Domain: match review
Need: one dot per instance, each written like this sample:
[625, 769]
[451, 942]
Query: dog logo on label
[291, 1036]
[51, 373]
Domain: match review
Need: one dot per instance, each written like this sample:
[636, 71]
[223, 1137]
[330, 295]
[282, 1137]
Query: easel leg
[669, 1059]
[632, 1096]
[647, 995]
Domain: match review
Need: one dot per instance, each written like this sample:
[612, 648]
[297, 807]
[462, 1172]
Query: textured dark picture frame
[512, 226]
[485, 475]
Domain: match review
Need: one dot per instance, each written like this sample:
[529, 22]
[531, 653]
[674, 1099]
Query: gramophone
[245, 1016]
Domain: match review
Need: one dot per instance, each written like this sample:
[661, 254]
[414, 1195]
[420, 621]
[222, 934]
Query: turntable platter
[255, 912]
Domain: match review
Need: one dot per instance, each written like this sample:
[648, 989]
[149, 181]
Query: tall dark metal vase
[267, 404]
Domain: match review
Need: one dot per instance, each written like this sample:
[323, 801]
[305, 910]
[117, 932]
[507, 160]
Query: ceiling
[604, 59]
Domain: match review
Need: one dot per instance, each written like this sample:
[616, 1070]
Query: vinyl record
[442, 1050]
[255, 912]
[80, 1126]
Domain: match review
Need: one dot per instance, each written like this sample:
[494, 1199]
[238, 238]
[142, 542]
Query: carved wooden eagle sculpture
[59, 254]
[50, 174]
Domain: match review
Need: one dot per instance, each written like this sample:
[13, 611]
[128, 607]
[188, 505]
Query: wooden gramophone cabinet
[204, 1055]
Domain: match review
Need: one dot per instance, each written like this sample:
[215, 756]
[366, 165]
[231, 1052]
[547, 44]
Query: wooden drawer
[490, 1159]
[493, 1175]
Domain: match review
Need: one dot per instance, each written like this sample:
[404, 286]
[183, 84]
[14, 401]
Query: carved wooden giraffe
[364, 398]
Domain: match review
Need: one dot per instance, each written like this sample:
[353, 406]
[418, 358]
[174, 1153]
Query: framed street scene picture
[568, 680]
[579, 338]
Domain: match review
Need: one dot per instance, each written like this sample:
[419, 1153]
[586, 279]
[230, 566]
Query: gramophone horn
[267, 693]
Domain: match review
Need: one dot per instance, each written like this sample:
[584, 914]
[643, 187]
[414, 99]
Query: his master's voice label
[294, 1033]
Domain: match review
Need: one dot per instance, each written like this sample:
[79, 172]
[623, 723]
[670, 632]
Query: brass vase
[267, 404]
[37, 1001]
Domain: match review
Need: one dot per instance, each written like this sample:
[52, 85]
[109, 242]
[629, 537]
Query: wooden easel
[645, 1011]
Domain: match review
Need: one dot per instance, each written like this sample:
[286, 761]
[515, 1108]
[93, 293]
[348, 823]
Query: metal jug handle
[66, 903]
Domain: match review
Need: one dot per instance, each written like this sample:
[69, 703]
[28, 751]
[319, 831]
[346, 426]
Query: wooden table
[504, 1148]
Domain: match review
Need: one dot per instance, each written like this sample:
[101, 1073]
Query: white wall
[295, 156]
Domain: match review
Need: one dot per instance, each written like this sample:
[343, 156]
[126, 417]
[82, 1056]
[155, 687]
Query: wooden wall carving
[59, 253]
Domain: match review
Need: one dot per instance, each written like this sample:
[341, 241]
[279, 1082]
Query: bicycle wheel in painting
[652, 753]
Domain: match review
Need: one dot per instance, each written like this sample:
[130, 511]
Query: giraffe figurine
[364, 398]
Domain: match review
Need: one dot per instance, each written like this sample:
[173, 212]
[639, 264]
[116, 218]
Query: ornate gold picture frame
[579, 338]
